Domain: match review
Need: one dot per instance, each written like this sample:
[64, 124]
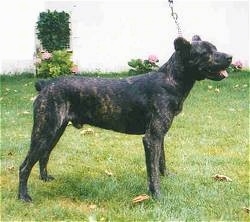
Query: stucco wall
[108, 33]
[17, 20]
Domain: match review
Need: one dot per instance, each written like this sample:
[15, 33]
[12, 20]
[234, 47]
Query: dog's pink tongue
[224, 73]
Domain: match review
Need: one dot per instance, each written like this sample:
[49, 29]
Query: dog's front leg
[152, 142]
[152, 148]
[162, 161]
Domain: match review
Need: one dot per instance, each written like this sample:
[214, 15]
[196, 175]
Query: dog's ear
[196, 38]
[182, 45]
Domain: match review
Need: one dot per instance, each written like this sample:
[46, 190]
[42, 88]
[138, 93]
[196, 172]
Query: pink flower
[153, 59]
[238, 64]
[46, 55]
[74, 69]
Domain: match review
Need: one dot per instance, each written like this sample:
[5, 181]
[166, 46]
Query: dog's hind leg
[45, 157]
[47, 128]
[42, 142]
[39, 142]
[24, 172]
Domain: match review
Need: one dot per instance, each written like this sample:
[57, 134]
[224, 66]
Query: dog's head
[203, 59]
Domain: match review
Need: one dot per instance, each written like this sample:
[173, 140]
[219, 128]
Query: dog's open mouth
[217, 75]
[223, 73]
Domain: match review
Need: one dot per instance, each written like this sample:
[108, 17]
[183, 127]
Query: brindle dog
[144, 104]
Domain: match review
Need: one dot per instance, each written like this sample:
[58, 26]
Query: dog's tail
[40, 84]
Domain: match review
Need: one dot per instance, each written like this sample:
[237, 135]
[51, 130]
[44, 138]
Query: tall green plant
[53, 30]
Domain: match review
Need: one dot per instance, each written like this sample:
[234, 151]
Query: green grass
[210, 136]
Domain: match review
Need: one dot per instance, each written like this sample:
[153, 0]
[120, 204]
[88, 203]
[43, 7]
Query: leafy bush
[140, 67]
[55, 64]
[53, 30]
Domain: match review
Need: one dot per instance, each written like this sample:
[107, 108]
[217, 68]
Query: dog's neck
[176, 70]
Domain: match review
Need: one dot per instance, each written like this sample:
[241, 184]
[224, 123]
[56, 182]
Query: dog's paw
[47, 178]
[156, 195]
[25, 197]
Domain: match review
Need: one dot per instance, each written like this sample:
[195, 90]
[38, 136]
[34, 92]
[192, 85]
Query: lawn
[99, 172]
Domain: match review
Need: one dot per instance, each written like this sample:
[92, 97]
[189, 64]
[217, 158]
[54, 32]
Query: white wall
[108, 33]
[17, 22]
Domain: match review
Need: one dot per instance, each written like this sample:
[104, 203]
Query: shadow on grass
[92, 188]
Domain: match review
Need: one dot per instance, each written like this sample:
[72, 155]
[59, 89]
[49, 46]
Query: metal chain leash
[175, 17]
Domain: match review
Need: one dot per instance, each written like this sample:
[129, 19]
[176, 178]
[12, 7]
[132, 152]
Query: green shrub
[140, 67]
[53, 30]
[54, 64]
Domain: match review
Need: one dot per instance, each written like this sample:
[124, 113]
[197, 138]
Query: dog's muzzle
[220, 72]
